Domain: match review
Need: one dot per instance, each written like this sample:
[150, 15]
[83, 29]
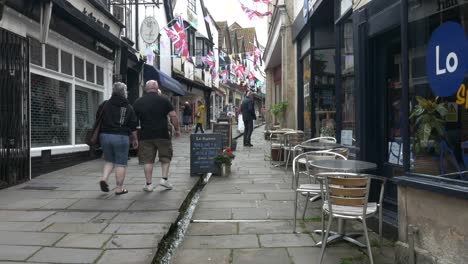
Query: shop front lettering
[450, 67]
[462, 96]
[447, 59]
[445, 4]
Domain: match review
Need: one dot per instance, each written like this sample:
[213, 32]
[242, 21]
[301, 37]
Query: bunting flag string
[263, 1]
[251, 14]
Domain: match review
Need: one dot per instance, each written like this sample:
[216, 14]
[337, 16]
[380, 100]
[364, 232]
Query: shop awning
[165, 81]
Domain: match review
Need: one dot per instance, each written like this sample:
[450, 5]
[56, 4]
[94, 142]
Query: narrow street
[63, 217]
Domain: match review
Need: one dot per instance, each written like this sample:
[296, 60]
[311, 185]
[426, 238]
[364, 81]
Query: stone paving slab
[86, 228]
[66, 255]
[134, 241]
[23, 226]
[24, 216]
[126, 256]
[29, 238]
[17, 252]
[261, 256]
[205, 256]
[137, 229]
[286, 240]
[101, 205]
[224, 241]
[146, 217]
[249, 213]
[72, 217]
[212, 214]
[83, 241]
[209, 229]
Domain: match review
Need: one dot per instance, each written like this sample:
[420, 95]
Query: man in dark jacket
[248, 116]
[152, 110]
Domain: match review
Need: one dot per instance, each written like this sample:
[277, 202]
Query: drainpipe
[412, 232]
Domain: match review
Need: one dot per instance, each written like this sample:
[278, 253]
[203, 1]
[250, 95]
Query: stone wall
[441, 221]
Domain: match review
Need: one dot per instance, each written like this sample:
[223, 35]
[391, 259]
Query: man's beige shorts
[148, 149]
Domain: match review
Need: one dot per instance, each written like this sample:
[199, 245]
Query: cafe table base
[340, 235]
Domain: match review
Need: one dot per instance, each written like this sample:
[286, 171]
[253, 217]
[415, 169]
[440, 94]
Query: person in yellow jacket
[200, 116]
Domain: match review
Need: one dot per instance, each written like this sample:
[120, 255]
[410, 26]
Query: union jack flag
[210, 60]
[253, 13]
[177, 35]
[239, 69]
[224, 75]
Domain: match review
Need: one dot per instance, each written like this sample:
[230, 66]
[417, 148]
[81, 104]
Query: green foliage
[429, 124]
[327, 131]
[278, 109]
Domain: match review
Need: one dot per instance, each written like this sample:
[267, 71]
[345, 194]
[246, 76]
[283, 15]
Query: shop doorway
[383, 113]
[14, 113]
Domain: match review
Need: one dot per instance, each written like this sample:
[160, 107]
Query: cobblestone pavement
[262, 196]
[71, 221]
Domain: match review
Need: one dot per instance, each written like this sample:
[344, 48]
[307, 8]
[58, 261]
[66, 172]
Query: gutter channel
[176, 234]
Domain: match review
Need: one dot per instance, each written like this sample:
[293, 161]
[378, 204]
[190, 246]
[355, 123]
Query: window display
[438, 118]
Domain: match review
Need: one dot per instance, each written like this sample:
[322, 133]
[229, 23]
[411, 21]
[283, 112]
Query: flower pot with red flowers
[224, 161]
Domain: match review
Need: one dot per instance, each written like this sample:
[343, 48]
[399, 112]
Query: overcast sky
[231, 11]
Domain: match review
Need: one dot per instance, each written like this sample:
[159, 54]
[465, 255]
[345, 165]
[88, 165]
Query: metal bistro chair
[322, 139]
[276, 145]
[347, 198]
[291, 141]
[313, 187]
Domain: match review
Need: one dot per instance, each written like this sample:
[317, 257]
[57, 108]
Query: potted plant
[277, 110]
[224, 161]
[429, 131]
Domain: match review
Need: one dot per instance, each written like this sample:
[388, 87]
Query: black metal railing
[14, 109]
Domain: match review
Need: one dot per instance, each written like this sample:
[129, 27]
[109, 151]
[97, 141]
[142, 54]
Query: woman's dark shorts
[115, 148]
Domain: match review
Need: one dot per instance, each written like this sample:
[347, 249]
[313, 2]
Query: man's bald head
[151, 85]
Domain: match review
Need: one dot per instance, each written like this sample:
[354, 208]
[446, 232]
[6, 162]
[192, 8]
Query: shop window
[35, 48]
[348, 92]
[191, 41]
[50, 112]
[66, 63]
[89, 72]
[86, 103]
[99, 75]
[438, 136]
[323, 67]
[79, 68]
[51, 58]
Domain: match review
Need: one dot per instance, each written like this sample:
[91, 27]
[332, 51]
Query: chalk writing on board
[203, 148]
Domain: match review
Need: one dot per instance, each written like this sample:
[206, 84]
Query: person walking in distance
[152, 111]
[186, 116]
[118, 123]
[200, 115]
[248, 116]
